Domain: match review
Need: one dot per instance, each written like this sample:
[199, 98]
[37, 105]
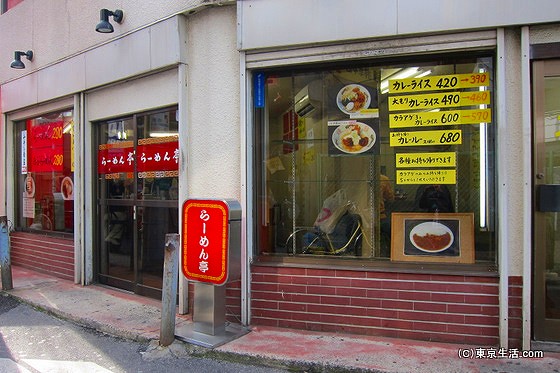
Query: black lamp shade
[104, 25]
[16, 63]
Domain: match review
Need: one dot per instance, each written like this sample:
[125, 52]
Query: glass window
[378, 162]
[45, 173]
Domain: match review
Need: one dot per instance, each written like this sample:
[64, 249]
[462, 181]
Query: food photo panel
[354, 137]
[433, 237]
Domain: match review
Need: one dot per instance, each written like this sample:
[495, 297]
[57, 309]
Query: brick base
[445, 308]
[54, 256]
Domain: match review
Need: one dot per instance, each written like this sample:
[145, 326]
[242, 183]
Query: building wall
[213, 146]
[57, 29]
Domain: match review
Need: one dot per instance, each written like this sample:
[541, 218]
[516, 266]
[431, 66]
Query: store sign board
[158, 157]
[114, 158]
[439, 83]
[438, 100]
[426, 160]
[426, 138]
[259, 90]
[148, 156]
[24, 152]
[205, 241]
[45, 147]
[46, 159]
[426, 176]
[439, 118]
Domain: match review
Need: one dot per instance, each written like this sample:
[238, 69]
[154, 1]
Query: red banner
[45, 147]
[46, 159]
[120, 157]
[205, 241]
[158, 157]
[113, 160]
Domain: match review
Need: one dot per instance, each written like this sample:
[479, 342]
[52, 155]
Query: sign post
[211, 256]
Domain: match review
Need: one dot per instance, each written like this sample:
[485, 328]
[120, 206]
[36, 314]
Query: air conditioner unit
[309, 98]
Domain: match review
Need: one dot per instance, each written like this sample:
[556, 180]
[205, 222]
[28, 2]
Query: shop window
[378, 162]
[45, 173]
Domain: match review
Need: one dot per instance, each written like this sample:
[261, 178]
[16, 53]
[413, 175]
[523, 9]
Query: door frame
[542, 330]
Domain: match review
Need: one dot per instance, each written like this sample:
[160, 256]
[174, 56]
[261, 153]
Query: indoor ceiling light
[16, 63]
[104, 25]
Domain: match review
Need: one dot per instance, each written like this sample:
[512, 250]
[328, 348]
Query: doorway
[546, 186]
[137, 199]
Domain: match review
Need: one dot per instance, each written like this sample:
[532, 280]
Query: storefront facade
[92, 139]
[392, 181]
[395, 179]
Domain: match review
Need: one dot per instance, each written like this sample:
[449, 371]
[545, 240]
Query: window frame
[18, 205]
[369, 263]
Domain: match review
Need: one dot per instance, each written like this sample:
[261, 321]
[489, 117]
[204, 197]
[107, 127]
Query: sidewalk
[138, 318]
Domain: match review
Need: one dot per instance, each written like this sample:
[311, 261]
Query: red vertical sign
[205, 238]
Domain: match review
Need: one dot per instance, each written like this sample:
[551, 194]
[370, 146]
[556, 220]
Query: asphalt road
[33, 341]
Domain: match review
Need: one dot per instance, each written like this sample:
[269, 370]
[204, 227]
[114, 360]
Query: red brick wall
[51, 255]
[446, 308]
[515, 331]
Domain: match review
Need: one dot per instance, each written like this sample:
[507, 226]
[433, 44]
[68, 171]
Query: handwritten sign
[439, 118]
[426, 176]
[424, 138]
[439, 83]
[438, 100]
[423, 160]
[205, 239]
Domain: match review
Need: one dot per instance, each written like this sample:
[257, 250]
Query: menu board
[416, 104]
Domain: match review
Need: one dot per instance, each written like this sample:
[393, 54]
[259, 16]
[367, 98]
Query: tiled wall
[51, 255]
[461, 309]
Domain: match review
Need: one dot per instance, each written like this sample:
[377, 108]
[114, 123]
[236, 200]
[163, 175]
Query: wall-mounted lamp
[16, 63]
[104, 26]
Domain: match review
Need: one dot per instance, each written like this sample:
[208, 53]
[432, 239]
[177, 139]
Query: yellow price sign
[439, 83]
[423, 160]
[439, 118]
[438, 100]
[426, 176]
[422, 138]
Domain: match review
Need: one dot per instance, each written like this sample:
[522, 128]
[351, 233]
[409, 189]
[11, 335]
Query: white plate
[354, 105]
[434, 228]
[67, 188]
[30, 186]
[360, 130]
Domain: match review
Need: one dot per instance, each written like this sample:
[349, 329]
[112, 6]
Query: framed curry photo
[429, 237]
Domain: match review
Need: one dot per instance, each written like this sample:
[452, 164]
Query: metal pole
[5, 264]
[169, 289]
